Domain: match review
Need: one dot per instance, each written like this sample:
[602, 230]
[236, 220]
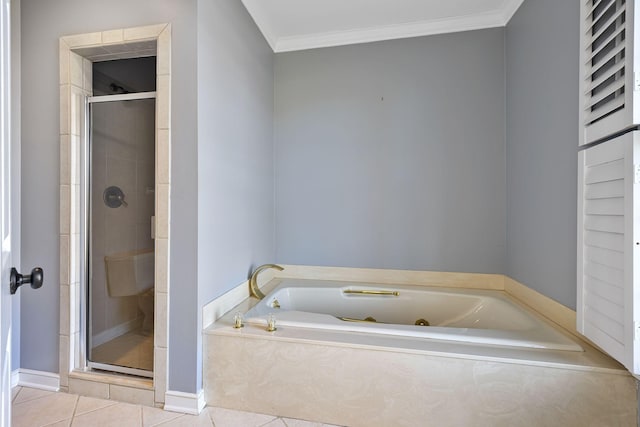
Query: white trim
[38, 379]
[186, 403]
[116, 331]
[400, 31]
[15, 378]
[121, 97]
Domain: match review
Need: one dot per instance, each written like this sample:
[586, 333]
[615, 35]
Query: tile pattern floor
[33, 408]
[133, 349]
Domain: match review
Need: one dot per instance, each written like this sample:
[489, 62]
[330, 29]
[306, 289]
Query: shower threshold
[120, 369]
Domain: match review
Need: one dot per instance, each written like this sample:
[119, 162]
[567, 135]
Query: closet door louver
[609, 243]
[607, 58]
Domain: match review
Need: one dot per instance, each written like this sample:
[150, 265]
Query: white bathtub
[460, 315]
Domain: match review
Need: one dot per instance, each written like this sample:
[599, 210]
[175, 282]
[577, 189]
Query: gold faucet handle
[271, 323]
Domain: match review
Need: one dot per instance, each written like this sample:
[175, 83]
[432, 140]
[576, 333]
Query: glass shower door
[121, 202]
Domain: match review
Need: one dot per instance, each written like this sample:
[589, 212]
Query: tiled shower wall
[75, 85]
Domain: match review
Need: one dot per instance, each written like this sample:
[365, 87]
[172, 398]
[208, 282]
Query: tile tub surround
[359, 379]
[76, 53]
[367, 385]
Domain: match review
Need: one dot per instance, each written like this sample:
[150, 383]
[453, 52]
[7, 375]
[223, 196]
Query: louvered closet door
[607, 86]
[607, 299]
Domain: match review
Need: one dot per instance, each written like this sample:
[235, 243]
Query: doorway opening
[78, 55]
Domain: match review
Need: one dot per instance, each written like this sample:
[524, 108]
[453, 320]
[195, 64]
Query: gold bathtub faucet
[254, 291]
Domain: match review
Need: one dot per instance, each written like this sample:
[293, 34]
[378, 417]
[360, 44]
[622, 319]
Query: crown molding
[497, 18]
[391, 32]
[509, 9]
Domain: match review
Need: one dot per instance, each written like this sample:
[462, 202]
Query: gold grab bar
[419, 322]
[350, 319]
[371, 292]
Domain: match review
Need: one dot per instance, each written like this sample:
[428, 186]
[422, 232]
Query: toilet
[131, 274]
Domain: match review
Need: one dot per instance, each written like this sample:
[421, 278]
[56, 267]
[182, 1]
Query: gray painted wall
[392, 154]
[235, 152]
[43, 22]
[542, 49]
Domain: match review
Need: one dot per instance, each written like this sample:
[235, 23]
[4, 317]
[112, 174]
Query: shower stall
[119, 200]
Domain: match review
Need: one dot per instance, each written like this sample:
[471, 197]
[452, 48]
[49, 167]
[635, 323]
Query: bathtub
[460, 315]
[479, 362]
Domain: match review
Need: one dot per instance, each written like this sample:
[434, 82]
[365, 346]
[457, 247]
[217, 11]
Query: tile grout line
[112, 403]
[31, 400]
[13, 399]
[64, 419]
[75, 408]
[161, 423]
[166, 423]
[271, 420]
[210, 415]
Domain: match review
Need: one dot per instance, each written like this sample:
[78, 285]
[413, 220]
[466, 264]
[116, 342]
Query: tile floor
[33, 408]
[133, 349]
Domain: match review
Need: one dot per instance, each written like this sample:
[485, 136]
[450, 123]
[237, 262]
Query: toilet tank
[129, 273]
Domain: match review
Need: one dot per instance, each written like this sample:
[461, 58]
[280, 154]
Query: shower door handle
[16, 280]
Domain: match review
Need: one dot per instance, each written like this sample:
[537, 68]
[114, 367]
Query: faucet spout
[254, 291]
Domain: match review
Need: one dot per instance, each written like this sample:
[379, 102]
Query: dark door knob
[17, 279]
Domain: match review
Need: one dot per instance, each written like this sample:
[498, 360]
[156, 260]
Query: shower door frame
[86, 202]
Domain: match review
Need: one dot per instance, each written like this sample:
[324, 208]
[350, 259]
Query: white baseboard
[116, 331]
[186, 403]
[37, 379]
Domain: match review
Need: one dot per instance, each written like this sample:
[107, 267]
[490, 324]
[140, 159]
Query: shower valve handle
[35, 279]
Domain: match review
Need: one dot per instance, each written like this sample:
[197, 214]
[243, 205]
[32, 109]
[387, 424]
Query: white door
[5, 216]
[608, 309]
